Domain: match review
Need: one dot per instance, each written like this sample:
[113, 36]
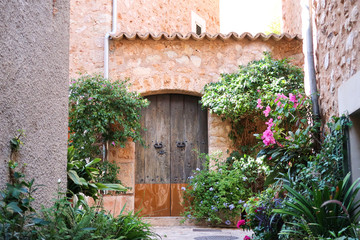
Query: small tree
[100, 112]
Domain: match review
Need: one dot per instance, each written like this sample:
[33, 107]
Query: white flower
[183, 188]
[244, 178]
[197, 169]
[59, 180]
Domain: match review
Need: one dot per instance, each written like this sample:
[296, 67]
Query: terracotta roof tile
[203, 36]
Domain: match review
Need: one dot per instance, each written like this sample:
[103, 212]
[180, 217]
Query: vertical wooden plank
[162, 121]
[191, 119]
[177, 136]
[202, 133]
[150, 152]
[140, 153]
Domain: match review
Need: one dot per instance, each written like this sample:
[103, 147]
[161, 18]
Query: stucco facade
[91, 20]
[291, 16]
[34, 68]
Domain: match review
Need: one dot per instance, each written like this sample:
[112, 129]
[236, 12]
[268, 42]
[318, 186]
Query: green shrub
[101, 111]
[82, 177]
[234, 96]
[81, 222]
[325, 168]
[260, 217]
[17, 216]
[215, 194]
[322, 212]
[288, 141]
[108, 172]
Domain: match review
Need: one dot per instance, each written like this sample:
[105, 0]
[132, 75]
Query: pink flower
[240, 223]
[281, 96]
[259, 104]
[247, 237]
[113, 143]
[292, 98]
[268, 137]
[90, 98]
[258, 90]
[270, 158]
[267, 111]
[279, 117]
[270, 123]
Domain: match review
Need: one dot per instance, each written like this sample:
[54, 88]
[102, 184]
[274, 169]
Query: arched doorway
[176, 125]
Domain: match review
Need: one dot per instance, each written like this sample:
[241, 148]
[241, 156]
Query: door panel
[177, 139]
[152, 199]
[175, 125]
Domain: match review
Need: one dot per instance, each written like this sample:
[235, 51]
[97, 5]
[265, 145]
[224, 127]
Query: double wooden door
[176, 126]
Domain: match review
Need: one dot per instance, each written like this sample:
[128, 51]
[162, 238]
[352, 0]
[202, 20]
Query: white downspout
[308, 49]
[107, 39]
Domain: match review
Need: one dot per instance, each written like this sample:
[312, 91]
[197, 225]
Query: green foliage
[325, 168]
[17, 216]
[214, 193]
[82, 177]
[322, 212]
[274, 27]
[108, 172]
[102, 111]
[288, 141]
[259, 216]
[235, 95]
[16, 142]
[80, 222]
[331, 162]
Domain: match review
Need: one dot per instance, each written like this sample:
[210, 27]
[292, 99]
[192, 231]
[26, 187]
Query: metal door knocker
[158, 145]
[180, 145]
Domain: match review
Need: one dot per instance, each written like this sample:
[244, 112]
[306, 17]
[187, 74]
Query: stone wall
[91, 20]
[338, 26]
[34, 70]
[185, 66]
[291, 17]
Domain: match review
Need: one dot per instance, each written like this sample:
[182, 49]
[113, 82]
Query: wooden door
[176, 126]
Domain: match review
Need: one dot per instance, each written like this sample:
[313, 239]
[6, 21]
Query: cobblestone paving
[197, 233]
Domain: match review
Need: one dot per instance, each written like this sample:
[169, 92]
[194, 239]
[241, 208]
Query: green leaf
[13, 207]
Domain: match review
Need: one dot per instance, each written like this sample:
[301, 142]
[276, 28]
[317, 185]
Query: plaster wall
[291, 17]
[91, 20]
[34, 70]
[338, 27]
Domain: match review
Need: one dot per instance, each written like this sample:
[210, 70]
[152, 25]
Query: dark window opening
[198, 29]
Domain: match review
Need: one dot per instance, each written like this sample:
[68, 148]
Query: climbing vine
[235, 96]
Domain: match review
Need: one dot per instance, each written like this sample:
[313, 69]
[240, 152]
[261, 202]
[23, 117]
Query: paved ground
[199, 233]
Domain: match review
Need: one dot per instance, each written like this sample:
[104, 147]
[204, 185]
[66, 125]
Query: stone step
[168, 221]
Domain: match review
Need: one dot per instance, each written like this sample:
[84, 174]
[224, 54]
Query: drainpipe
[308, 50]
[309, 68]
[106, 59]
[107, 39]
